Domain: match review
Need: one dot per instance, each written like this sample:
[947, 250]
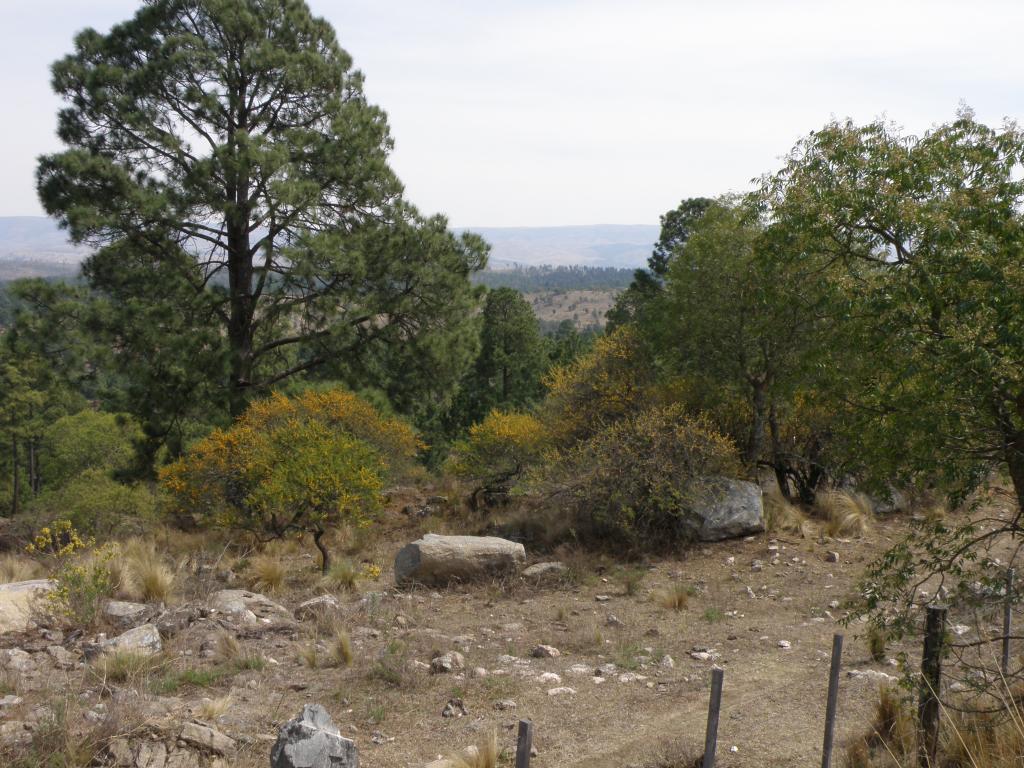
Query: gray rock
[15, 733]
[439, 560]
[454, 708]
[552, 570]
[250, 607]
[62, 657]
[448, 662]
[312, 740]
[731, 509]
[207, 738]
[127, 615]
[831, 557]
[150, 754]
[177, 619]
[144, 640]
[545, 652]
[17, 660]
[16, 603]
[10, 700]
[317, 606]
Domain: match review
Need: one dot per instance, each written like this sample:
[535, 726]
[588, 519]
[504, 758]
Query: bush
[499, 450]
[293, 465]
[635, 483]
[88, 440]
[609, 383]
[96, 504]
[83, 574]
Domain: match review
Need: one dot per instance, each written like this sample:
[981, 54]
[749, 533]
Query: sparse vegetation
[675, 597]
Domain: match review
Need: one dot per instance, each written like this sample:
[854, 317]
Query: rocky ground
[607, 672]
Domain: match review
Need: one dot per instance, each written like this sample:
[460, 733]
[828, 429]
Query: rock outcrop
[312, 740]
[16, 601]
[732, 508]
[249, 607]
[439, 560]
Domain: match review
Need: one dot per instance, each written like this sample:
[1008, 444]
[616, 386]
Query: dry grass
[268, 573]
[781, 516]
[846, 514]
[484, 755]
[18, 568]
[967, 740]
[228, 648]
[342, 576]
[332, 650]
[125, 668]
[212, 709]
[139, 572]
[675, 597]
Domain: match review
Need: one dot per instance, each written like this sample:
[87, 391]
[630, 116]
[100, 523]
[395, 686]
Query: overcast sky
[541, 112]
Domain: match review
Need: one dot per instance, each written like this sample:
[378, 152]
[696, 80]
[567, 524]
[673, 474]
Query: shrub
[293, 465]
[498, 450]
[82, 573]
[607, 384]
[636, 484]
[88, 440]
[96, 504]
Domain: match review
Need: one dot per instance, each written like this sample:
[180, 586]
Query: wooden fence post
[714, 708]
[833, 701]
[1007, 620]
[525, 744]
[931, 680]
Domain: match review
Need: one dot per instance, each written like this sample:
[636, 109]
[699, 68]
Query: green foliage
[82, 572]
[88, 440]
[634, 484]
[293, 465]
[507, 373]
[560, 278]
[248, 226]
[498, 450]
[96, 504]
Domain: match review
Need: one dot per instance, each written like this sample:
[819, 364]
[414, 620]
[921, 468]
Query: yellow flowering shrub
[293, 465]
[601, 387]
[82, 572]
[499, 449]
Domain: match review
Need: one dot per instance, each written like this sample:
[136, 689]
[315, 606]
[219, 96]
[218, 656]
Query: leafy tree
[508, 369]
[291, 466]
[676, 226]
[96, 504]
[938, 220]
[224, 154]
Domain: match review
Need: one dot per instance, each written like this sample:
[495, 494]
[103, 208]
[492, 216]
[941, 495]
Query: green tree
[225, 152]
[676, 226]
[938, 220]
[508, 370]
[88, 440]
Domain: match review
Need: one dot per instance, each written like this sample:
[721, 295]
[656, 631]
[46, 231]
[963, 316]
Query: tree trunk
[240, 271]
[325, 556]
[15, 480]
[778, 461]
[1014, 456]
[33, 468]
[758, 404]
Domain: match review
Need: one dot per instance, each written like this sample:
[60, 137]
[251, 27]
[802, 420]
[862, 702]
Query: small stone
[615, 621]
[478, 673]
[505, 705]
[602, 598]
[757, 566]
[317, 606]
[62, 658]
[960, 629]
[545, 570]
[834, 604]
[785, 644]
[831, 557]
[10, 700]
[549, 677]
[870, 674]
[700, 655]
[448, 662]
[667, 662]
[562, 691]
[750, 594]
[545, 652]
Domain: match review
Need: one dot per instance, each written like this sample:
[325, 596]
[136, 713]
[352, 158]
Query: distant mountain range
[33, 246]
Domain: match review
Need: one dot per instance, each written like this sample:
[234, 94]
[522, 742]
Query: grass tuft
[781, 516]
[342, 576]
[846, 514]
[675, 597]
[268, 573]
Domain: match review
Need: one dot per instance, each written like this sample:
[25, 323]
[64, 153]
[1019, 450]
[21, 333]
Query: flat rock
[317, 606]
[126, 615]
[250, 607]
[312, 740]
[16, 602]
[207, 738]
[439, 560]
[144, 640]
[549, 570]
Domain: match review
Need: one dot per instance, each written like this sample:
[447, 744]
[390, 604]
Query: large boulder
[312, 740]
[731, 508]
[438, 560]
[16, 602]
[143, 640]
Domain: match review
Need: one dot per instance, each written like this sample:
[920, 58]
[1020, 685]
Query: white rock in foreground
[16, 601]
[439, 560]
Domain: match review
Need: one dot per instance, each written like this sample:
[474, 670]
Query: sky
[556, 112]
